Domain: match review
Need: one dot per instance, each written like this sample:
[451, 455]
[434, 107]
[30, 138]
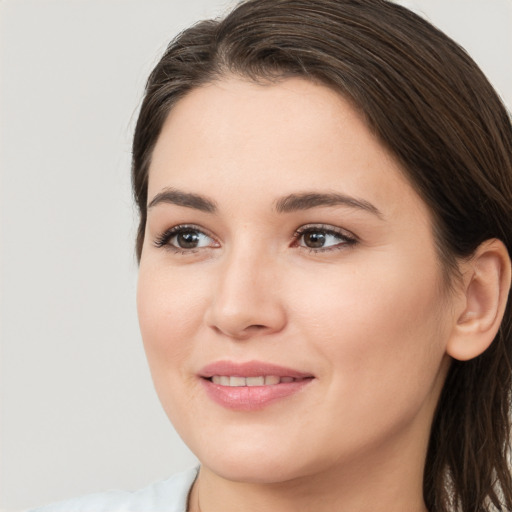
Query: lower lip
[251, 398]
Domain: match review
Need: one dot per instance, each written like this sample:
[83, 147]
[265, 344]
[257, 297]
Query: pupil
[188, 239]
[314, 239]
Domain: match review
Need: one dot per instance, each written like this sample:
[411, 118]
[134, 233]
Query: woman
[325, 193]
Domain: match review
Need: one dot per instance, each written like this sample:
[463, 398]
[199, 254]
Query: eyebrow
[308, 200]
[287, 204]
[173, 196]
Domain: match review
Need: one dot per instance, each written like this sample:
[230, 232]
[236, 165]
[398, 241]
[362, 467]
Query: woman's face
[290, 298]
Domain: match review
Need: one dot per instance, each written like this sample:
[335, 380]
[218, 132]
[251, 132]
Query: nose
[246, 301]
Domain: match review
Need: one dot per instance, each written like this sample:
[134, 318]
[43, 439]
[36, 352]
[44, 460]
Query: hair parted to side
[431, 106]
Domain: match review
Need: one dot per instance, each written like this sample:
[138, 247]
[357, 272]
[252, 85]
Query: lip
[250, 369]
[251, 398]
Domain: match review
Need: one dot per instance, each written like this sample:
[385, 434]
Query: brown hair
[433, 108]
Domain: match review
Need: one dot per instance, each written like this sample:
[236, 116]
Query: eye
[185, 238]
[318, 238]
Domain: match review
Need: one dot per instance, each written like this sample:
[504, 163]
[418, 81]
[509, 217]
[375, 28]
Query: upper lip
[250, 369]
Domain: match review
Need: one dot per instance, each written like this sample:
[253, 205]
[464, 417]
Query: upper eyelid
[192, 227]
[163, 238]
[167, 234]
[346, 237]
[320, 227]
[327, 228]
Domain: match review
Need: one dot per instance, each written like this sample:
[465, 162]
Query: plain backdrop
[78, 411]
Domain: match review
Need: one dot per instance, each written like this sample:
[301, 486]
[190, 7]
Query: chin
[259, 463]
[264, 471]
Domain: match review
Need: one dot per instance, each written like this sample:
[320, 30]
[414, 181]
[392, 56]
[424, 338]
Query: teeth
[255, 381]
[267, 380]
[237, 381]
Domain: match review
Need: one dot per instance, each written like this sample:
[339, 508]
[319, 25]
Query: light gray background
[78, 412]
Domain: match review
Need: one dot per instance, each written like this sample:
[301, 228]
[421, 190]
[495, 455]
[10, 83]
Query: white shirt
[165, 496]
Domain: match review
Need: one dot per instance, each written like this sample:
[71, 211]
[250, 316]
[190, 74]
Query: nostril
[256, 327]
[243, 333]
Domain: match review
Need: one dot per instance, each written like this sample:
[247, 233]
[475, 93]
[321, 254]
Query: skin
[370, 320]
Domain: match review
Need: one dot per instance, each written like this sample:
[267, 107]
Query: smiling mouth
[263, 380]
[253, 385]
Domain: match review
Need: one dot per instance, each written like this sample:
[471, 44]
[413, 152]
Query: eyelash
[346, 239]
[164, 239]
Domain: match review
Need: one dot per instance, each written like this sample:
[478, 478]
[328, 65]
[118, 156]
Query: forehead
[237, 113]
[236, 137]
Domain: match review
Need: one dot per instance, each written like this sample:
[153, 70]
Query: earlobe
[486, 278]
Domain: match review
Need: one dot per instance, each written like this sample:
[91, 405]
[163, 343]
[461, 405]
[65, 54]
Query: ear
[486, 284]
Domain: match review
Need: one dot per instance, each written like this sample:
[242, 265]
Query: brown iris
[314, 239]
[188, 239]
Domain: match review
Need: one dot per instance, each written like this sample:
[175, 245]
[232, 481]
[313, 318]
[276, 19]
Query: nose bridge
[245, 300]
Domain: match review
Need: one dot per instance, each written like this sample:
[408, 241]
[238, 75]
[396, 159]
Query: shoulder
[165, 496]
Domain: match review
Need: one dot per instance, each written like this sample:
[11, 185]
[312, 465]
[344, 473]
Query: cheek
[381, 324]
[385, 298]
[382, 336]
[170, 311]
